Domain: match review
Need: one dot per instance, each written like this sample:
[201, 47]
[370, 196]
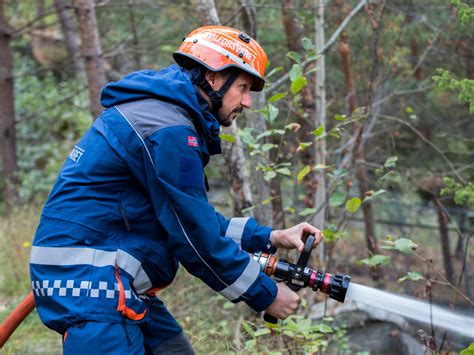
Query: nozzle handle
[270, 319]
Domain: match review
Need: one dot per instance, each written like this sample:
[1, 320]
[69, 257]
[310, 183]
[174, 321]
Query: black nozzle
[333, 285]
[338, 287]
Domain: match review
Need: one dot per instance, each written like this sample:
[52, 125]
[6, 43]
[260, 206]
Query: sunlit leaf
[353, 204]
[298, 84]
[277, 97]
[390, 162]
[318, 131]
[302, 173]
[340, 117]
[405, 245]
[295, 72]
[412, 276]
[272, 113]
[228, 137]
[261, 331]
[247, 327]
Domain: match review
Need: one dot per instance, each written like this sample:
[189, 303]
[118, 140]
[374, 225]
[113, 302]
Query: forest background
[365, 129]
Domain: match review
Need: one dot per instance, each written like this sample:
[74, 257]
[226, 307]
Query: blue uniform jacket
[130, 204]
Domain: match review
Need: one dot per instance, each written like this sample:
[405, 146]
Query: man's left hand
[294, 237]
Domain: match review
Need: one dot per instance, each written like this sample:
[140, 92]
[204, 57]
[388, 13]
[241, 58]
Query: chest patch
[76, 154]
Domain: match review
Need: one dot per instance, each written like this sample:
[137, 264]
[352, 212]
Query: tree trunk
[236, 169]
[92, 52]
[444, 237]
[70, 38]
[256, 121]
[307, 120]
[320, 145]
[7, 113]
[358, 150]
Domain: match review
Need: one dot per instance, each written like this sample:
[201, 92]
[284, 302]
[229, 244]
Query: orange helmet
[220, 47]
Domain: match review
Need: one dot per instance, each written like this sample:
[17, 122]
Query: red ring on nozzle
[312, 278]
[326, 282]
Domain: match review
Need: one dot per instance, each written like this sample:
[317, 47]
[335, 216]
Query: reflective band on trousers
[235, 229]
[61, 256]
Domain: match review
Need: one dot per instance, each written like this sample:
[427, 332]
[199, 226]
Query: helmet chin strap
[217, 96]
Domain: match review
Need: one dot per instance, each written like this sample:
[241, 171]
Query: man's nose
[247, 100]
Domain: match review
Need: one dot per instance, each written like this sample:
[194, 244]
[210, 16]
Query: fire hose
[296, 276]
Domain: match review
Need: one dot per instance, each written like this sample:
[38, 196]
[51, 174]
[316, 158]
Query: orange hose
[14, 319]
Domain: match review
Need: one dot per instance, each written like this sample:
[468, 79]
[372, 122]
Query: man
[130, 204]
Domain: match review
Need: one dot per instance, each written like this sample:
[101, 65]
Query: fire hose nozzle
[338, 288]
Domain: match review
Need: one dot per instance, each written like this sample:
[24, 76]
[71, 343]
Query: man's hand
[285, 303]
[294, 237]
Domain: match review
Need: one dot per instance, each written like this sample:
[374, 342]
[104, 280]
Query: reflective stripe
[224, 52]
[243, 283]
[88, 256]
[235, 229]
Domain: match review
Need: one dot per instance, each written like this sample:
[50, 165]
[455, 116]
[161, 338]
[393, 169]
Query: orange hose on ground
[14, 319]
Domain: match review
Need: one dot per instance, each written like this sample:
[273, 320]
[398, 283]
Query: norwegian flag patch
[192, 141]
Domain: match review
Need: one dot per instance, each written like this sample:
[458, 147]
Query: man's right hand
[285, 303]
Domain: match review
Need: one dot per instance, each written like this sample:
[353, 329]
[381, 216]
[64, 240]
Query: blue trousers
[160, 335]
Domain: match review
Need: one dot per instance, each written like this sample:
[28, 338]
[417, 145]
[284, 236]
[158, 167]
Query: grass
[213, 324]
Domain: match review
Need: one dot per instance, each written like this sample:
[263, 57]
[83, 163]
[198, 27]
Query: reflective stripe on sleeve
[235, 229]
[243, 283]
[60, 256]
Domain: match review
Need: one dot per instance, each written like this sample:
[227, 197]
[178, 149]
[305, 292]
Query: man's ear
[211, 78]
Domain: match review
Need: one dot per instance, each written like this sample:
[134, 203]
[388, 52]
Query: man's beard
[227, 121]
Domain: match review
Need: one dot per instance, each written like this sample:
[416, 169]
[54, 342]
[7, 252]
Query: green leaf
[294, 56]
[353, 204]
[302, 173]
[468, 351]
[277, 97]
[247, 328]
[261, 331]
[250, 344]
[298, 84]
[337, 199]
[274, 71]
[409, 109]
[307, 211]
[284, 171]
[272, 113]
[269, 175]
[340, 117]
[376, 260]
[307, 44]
[412, 276]
[323, 328]
[267, 146]
[405, 245]
[318, 131]
[228, 137]
[390, 162]
[304, 145]
[295, 72]
[370, 195]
